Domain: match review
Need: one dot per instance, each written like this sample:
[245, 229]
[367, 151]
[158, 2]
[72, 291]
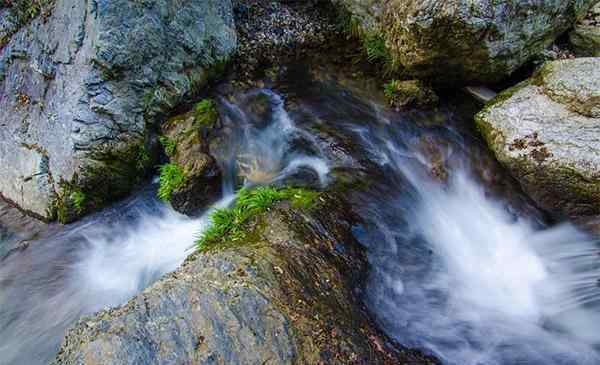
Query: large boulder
[80, 81]
[546, 131]
[286, 293]
[476, 41]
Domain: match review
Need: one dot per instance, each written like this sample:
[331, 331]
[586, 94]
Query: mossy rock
[186, 140]
[411, 93]
[110, 175]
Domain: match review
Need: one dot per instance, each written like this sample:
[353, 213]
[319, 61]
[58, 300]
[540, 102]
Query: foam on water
[456, 273]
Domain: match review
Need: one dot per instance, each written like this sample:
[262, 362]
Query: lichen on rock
[545, 132]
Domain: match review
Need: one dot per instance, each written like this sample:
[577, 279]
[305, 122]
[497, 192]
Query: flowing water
[462, 265]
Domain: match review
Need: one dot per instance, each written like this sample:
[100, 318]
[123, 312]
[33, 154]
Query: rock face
[79, 84]
[465, 41]
[285, 296]
[546, 131]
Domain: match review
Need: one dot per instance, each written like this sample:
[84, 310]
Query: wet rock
[459, 41]
[80, 82]
[285, 296]
[546, 131]
[186, 142]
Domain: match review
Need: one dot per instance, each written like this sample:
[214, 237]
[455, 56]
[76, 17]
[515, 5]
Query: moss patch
[229, 225]
[110, 175]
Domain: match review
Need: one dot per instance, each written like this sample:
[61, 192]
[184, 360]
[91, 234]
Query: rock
[586, 40]
[585, 37]
[460, 41]
[186, 142]
[285, 294]
[408, 94]
[546, 132]
[81, 82]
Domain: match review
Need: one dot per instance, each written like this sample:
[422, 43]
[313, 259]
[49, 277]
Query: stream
[462, 264]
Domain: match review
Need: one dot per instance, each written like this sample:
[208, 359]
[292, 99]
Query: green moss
[229, 224]
[205, 113]
[169, 144]
[171, 178]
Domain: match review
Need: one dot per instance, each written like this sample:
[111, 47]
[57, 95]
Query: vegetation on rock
[411, 93]
[228, 225]
[171, 178]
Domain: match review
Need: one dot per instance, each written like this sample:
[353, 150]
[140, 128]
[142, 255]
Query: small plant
[229, 223]
[390, 88]
[142, 158]
[78, 198]
[169, 144]
[171, 178]
[205, 113]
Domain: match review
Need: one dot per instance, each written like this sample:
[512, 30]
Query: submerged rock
[464, 41]
[546, 131]
[285, 294]
[79, 84]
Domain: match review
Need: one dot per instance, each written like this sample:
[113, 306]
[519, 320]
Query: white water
[109, 257]
[457, 274]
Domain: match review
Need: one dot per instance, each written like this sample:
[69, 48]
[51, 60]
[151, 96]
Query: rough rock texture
[271, 32]
[465, 41]
[186, 144]
[286, 296]
[547, 133]
[80, 82]
[585, 38]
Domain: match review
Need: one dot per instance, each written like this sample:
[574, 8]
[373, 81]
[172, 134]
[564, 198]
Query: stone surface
[546, 131]
[477, 41]
[286, 296]
[80, 83]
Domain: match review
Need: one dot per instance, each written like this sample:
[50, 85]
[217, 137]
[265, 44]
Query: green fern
[228, 224]
[171, 178]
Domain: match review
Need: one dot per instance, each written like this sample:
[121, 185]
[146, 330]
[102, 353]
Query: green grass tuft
[169, 144]
[171, 178]
[229, 224]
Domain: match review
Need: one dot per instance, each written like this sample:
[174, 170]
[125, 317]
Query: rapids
[462, 265]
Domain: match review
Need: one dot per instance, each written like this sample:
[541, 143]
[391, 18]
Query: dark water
[462, 264]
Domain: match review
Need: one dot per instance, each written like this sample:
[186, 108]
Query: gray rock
[546, 131]
[79, 85]
[465, 41]
[284, 295]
